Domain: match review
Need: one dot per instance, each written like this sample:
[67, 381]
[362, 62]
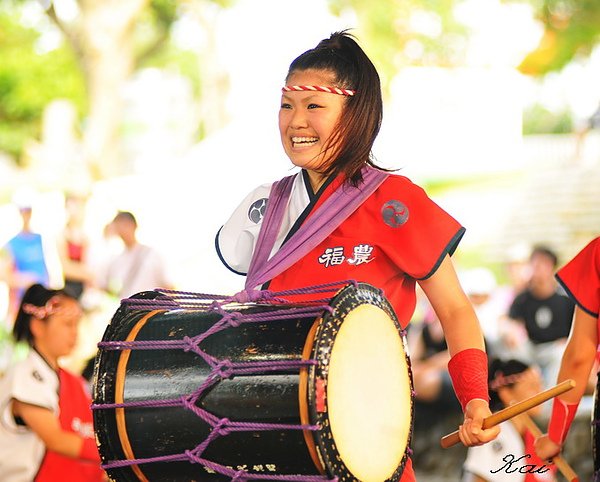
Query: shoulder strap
[271, 224]
[341, 204]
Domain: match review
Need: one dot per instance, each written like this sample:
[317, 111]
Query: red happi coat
[396, 237]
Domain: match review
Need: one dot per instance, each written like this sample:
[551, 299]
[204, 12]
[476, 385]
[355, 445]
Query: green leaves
[29, 80]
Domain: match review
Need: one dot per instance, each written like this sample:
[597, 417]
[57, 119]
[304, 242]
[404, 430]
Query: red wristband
[89, 450]
[469, 373]
[562, 416]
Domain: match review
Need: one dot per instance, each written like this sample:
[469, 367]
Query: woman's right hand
[471, 432]
[545, 448]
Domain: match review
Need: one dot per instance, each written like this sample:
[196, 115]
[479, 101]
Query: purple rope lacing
[174, 300]
[220, 369]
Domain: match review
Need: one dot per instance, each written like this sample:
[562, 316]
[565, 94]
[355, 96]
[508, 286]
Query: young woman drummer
[343, 218]
[581, 279]
[46, 429]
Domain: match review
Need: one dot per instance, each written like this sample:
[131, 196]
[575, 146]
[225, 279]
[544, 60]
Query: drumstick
[561, 463]
[509, 412]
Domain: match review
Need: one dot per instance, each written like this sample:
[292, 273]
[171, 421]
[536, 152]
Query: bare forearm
[453, 308]
[47, 427]
[577, 364]
[462, 329]
[65, 443]
[580, 354]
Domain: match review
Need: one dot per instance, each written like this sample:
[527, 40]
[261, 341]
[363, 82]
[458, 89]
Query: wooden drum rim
[120, 395]
[303, 398]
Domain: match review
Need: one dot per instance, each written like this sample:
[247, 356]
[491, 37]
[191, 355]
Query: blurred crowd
[528, 318]
[97, 273]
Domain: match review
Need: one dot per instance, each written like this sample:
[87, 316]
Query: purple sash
[341, 204]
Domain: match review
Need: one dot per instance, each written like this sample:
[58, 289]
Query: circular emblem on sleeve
[394, 213]
[257, 210]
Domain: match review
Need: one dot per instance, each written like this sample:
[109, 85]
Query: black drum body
[195, 413]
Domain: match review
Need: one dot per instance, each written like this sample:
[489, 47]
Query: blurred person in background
[23, 260]
[46, 428]
[429, 355]
[73, 247]
[504, 339]
[546, 313]
[138, 267]
[513, 335]
[480, 286]
[591, 123]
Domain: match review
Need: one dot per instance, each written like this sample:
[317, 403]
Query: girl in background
[511, 457]
[46, 428]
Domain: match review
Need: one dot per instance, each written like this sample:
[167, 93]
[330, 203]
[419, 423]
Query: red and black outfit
[396, 237]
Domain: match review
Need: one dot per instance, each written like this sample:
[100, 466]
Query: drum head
[362, 392]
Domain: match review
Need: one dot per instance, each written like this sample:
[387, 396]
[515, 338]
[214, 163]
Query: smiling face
[308, 119]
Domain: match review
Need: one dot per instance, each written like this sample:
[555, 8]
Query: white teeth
[304, 140]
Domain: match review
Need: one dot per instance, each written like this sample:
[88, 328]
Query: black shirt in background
[545, 319]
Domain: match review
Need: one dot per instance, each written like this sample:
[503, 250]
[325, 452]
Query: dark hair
[126, 216]
[500, 371]
[36, 296]
[361, 117]
[545, 251]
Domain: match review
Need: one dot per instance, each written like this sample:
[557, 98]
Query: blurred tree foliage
[408, 32]
[426, 32]
[537, 119]
[110, 39]
[103, 45]
[29, 79]
[571, 30]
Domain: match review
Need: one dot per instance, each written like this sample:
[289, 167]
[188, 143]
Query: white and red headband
[318, 88]
[54, 305]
